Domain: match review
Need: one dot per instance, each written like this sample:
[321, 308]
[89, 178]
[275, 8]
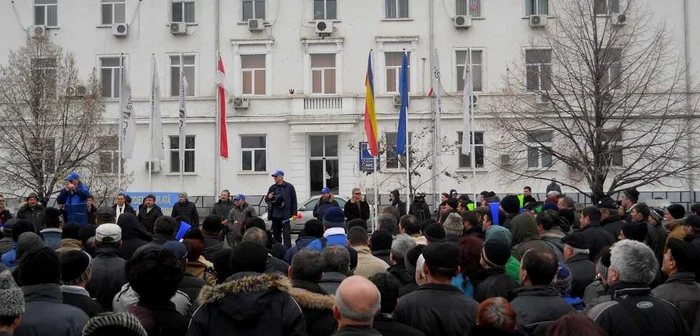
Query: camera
[419, 198]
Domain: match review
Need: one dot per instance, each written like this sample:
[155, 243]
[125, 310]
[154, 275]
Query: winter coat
[108, 276]
[127, 297]
[202, 269]
[33, 214]
[553, 239]
[634, 311]
[5, 215]
[52, 237]
[383, 255]
[187, 210]
[317, 307]
[464, 284]
[513, 269]
[330, 281]
[400, 273]
[437, 309]
[222, 209]
[156, 244]
[69, 244]
[507, 222]
[212, 244]
[92, 214]
[683, 292]
[656, 239]
[300, 243]
[496, 283]
[397, 203]
[134, 235]
[286, 206]
[367, 264]
[127, 209]
[357, 331]
[248, 304]
[537, 307]
[675, 230]
[525, 236]
[387, 326]
[276, 265]
[322, 206]
[597, 238]
[47, 315]
[582, 272]
[356, 210]
[75, 204]
[595, 293]
[160, 319]
[237, 217]
[191, 286]
[148, 218]
[613, 224]
[80, 298]
[553, 187]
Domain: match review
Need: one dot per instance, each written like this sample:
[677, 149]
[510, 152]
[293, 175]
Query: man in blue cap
[324, 203]
[74, 198]
[282, 205]
[237, 217]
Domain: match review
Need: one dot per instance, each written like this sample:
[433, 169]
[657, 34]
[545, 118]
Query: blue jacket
[301, 243]
[9, 259]
[75, 204]
[289, 194]
[337, 239]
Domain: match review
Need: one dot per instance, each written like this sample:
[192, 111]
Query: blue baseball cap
[72, 176]
[278, 173]
[240, 197]
[326, 190]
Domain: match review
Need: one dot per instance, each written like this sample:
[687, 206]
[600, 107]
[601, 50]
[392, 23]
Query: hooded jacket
[187, 210]
[75, 203]
[46, 314]
[127, 297]
[537, 307]
[683, 292]
[148, 218]
[525, 236]
[133, 235]
[317, 307]
[248, 304]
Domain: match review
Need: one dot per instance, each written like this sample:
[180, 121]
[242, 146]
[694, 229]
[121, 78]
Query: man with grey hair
[316, 304]
[337, 261]
[399, 247]
[388, 222]
[258, 236]
[357, 301]
[633, 309]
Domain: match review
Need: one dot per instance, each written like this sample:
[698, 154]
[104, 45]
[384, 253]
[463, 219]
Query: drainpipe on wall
[431, 55]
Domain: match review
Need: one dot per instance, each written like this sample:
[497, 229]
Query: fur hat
[11, 296]
[76, 267]
[123, 323]
[334, 217]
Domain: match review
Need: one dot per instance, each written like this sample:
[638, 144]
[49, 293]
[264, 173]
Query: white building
[305, 91]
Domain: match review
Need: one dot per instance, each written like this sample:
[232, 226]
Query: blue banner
[165, 200]
[366, 159]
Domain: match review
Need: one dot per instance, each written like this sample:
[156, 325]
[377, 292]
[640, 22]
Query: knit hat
[501, 233]
[453, 224]
[334, 217]
[563, 279]
[122, 323]
[76, 267]
[32, 195]
[39, 266]
[496, 253]
[442, 255]
[11, 296]
[248, 257]
[177, 248]
[434, 233]
[635, 231]
[184, 193]
[108, 233]
[26, 242]
[313, 228]
[510, 204]
[576, 240]
[105, 213]
[381, 240]
[676, 210]
[632, 194]
[693, 221]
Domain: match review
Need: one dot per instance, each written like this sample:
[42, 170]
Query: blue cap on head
[278, 173]
[177, 248]
[326, 190]
[240, 197]
[72, 176]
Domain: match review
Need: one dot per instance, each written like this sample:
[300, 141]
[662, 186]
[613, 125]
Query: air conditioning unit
[38, 31]
[538, 20]
[462, 21]
[324, 27]
[397, 101]
[178, 28]
[618, 20]
[256, 25]
[120, 29]
[542, 98]
[505, 160]
[154, 165]
[240, 103]
[77, 91]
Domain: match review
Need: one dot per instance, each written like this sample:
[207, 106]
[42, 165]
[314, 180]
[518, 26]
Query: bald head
[357, 301]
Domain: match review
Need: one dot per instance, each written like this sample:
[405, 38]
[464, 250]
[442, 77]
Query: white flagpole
[217, 126]
[182, 127]
[472, 141]
[376, 192]
[438, 120]
[150, 125]
[120, 128]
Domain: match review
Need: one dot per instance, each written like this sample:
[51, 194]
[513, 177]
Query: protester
[213, 238]
[121, 207]
[12, 306]
[628, 200]
[282, 205]
[384, 322]
[149, 212]
[399, 248]
[499, 232]
[357, 207]
[525, 236]
[189, 284]
[27, 242]
[396, 202]
[197, 266]
[185, 208]
[656, 234]
[367, 264]
[164, 231]
[9, 258]
[317, 306]
[575, 324]
[32, 211]
[495, 317]
[334, 231]
[113, 324]
[133, 234]
[357, 302]
[380, 244]
[324, 202]
[70, 239]
[388, 222]
[562, 282]
[553, 186]
[692, 230]
[108, 267]
[576, 252]
[411, 226]
[494, 256]
[74, 199]
[224, 205]
[596, 236]
[6, 243]
[259, 236]
[91, 210]
[337, 267]
[673, 217]
[411, 262]
[240, 213]
[53, 225]
[597, 291]
[76, 271]
[313, 229]
[454, 228]
[609, 217]
[5, 214]
[568, 213]
[511, 206]
[86, 234]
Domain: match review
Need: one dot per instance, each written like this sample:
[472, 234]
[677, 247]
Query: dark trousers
[278, 226]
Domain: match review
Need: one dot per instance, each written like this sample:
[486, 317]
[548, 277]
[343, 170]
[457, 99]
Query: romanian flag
[370, 113]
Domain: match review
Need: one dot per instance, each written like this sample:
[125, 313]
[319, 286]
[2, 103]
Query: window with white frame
[393, 159]
[46, 13]
[44, 76]
[253, 74]
[396, 9]
[465, 161]
[113, 11]
[323, 73]
[253, 153]
[611, 64]
[325, 9]
[183, 11]
[476, 62]
[534, 7]
[539, 151]
[613, 150]
[469, 7]
[538, 68]
[253, 9]
[42, 155]
[606, 7]
[110, 73]
[188, 67]
[175, 153]
[393, 70]
[108, 154]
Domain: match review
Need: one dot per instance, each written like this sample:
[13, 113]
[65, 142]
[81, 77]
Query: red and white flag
[223, 134]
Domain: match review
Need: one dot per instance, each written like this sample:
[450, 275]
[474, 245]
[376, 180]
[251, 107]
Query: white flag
[467, 108]
[182, 116]
[438, 94]
[157, 148]
[128, 122]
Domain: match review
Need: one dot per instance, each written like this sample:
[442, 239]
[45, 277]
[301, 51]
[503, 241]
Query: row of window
[114, 11]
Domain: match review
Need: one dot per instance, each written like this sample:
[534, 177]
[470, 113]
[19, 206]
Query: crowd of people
[521, 268]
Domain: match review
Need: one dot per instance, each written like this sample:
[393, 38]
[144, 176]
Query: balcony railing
[323, 103]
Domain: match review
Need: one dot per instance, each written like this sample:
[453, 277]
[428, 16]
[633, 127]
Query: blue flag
[403, 111]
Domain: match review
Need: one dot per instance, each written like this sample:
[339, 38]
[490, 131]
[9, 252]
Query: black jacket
[222, 209]
[496, 283]
[634, 311]
[613, 224]
[356, 210]
[582, 272]
[191, 286]
[108, 276]
[322, 206]
[213, 244]
[682, 290]
[248, 304]
[275, 264]
[400, 273]
[317, 307]
[78, 297]
[597, 238]
[437, 309]
[657, 240]
[160, 319]
[46, 314]
[187, 210]
[357, 331]
[397, 203]
[283, 207]
[127, 209]
[387, 326]
[148, 218]
[537, 307]
[91, 214]
[330, 281]
[34, 215]
[134, 235]
[383, 254]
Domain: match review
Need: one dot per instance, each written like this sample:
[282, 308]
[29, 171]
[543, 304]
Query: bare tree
[49, 119]
[601, 94]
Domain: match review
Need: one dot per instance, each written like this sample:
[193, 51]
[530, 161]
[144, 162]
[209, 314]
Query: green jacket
[513, 269]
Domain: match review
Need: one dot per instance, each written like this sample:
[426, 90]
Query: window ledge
[464, 170]
[393, 171]
[245, 172]
[541, 170]
[178, 174]
[245, 23]
[527, 17]
[333, 20]
[52, 27]
[478, 18]
[396, 19]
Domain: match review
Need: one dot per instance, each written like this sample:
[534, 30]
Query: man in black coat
[496, 282]
[108, 266]
[76, 270]
[224, 205]
[282, 205]
[596, 236]
[316, 304]
[656, 239]
[356, 207]
[577, 259]
[437, 307]
[121, 207]
[149, 211]
[187, 209]
[384, 321]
